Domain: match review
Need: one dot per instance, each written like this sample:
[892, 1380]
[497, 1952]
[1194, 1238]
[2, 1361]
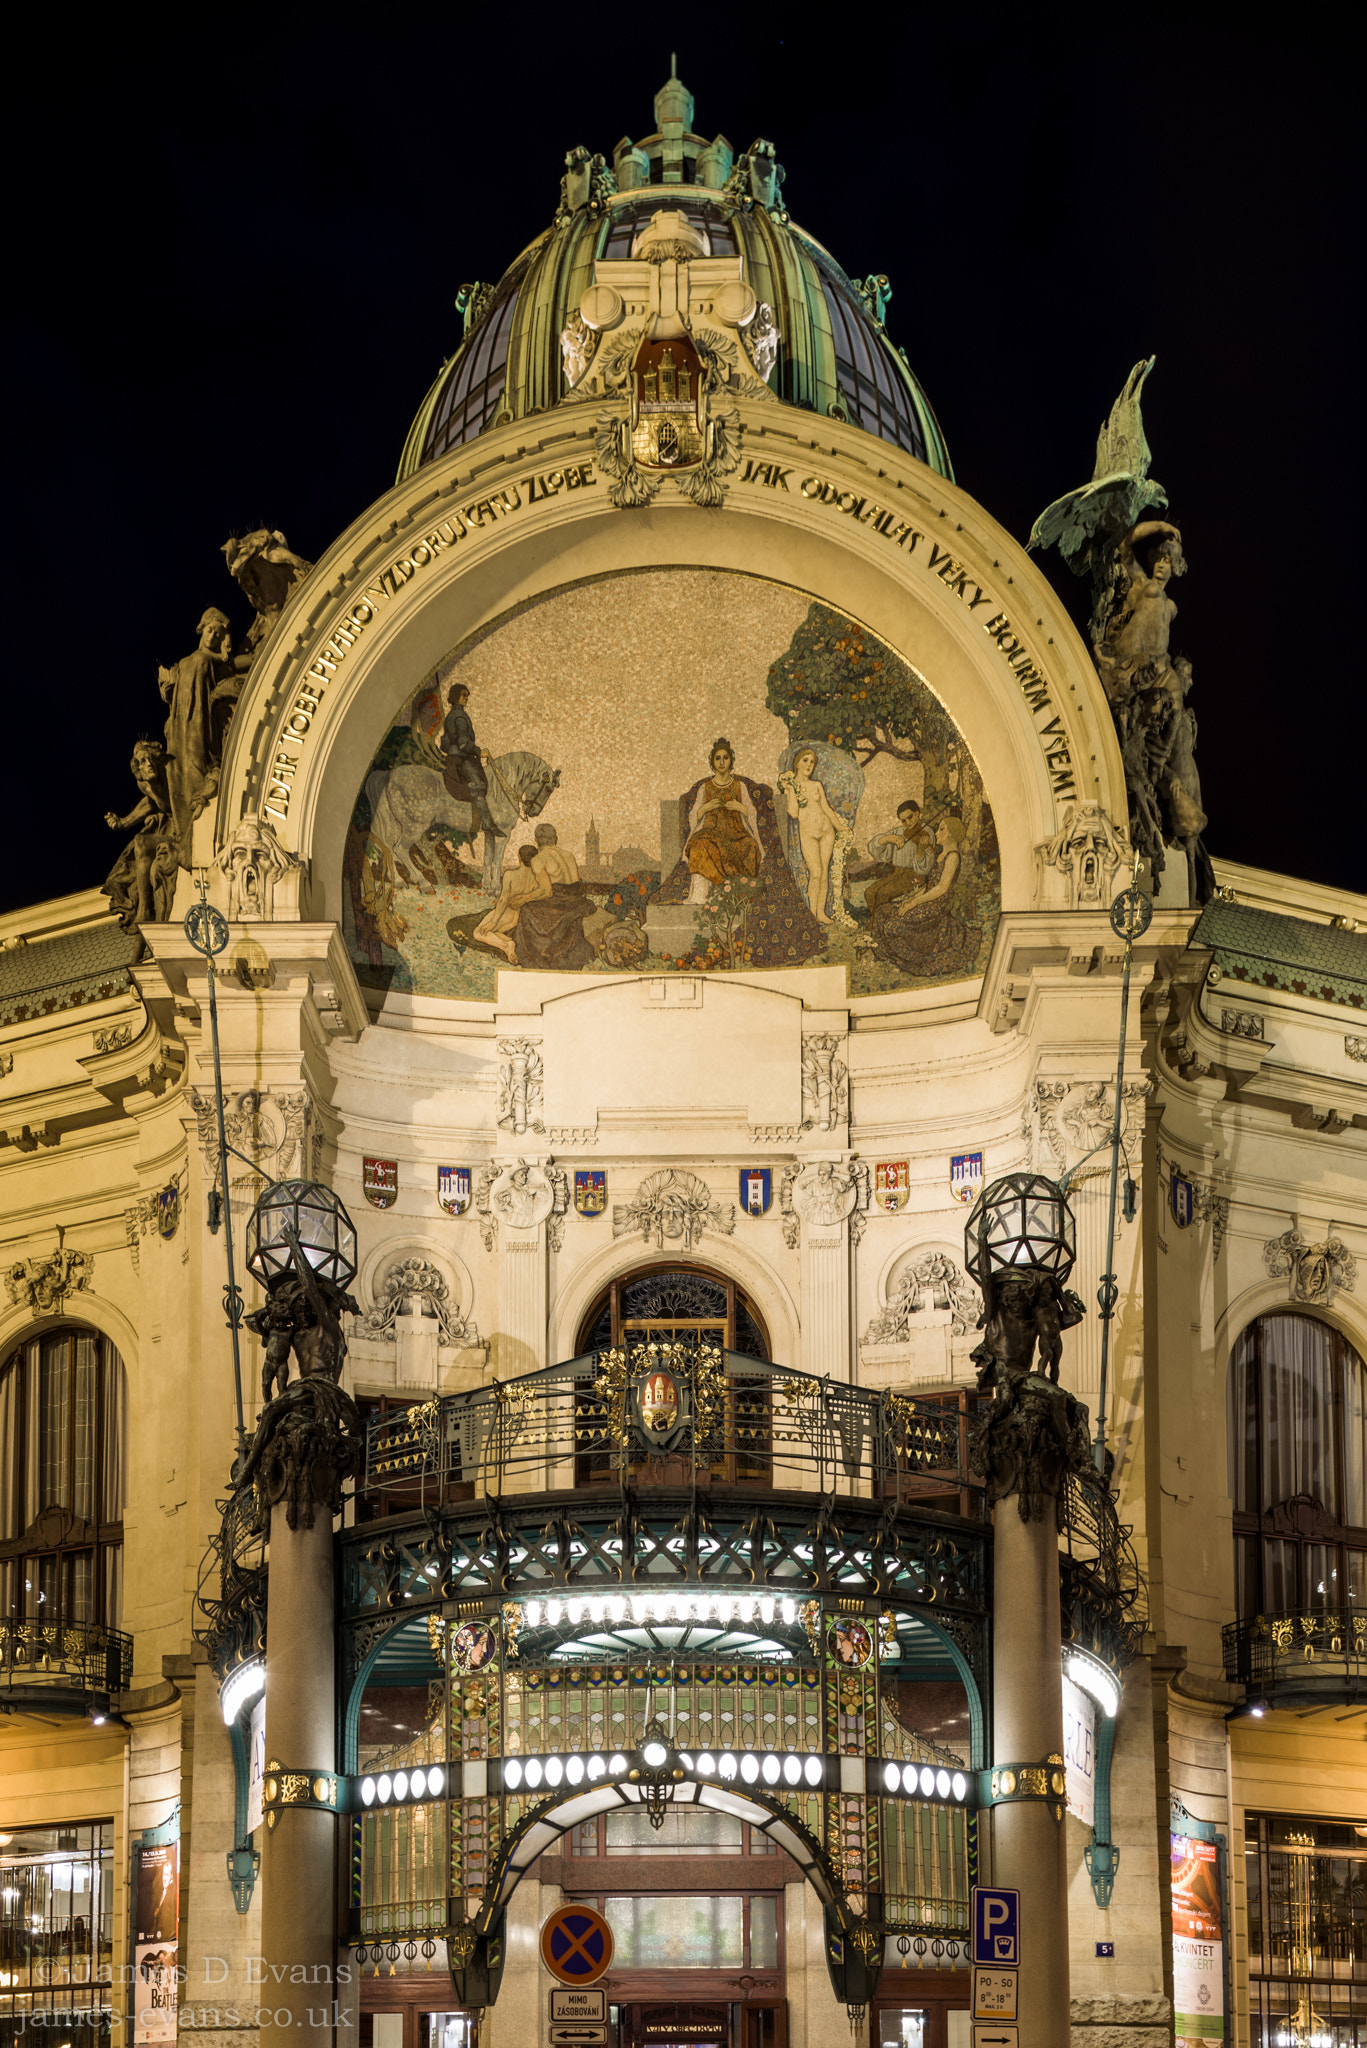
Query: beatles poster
[156, 1938]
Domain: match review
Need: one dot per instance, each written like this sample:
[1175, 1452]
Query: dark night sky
[234, 248]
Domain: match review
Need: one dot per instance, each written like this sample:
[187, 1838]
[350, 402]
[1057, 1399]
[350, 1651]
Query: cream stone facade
[1245, 1085]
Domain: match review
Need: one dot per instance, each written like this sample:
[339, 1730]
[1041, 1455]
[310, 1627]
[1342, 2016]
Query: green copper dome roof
[834, 354]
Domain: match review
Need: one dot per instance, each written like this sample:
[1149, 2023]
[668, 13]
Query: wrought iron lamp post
[1019, 1245]
[302, 1245]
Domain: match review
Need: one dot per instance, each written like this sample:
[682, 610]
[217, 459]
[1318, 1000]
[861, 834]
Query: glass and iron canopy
[835, 356]
[1020, 1224]
[302, 1212]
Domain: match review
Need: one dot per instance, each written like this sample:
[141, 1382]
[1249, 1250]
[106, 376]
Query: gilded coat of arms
[660, 1407]
[590, 1191]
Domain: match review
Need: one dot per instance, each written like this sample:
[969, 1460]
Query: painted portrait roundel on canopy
[671, 770]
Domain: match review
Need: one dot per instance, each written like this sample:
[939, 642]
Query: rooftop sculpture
[1101, 532]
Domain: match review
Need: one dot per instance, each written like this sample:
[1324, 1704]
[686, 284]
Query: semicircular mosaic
[670, 770]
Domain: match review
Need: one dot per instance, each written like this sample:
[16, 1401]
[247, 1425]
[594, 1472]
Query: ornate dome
[834, 355]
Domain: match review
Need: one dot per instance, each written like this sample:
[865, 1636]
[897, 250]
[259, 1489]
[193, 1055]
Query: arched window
[62, 1479]
[667, 1302]
[1298, 1467]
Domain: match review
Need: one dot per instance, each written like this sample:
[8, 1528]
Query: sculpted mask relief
[670, 770]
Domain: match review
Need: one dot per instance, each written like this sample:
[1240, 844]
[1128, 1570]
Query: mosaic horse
[410, 806]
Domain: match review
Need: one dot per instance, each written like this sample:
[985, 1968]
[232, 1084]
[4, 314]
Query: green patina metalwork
[834, 358]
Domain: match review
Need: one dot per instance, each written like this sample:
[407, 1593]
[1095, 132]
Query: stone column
[305, 1444]
[1032, 1436]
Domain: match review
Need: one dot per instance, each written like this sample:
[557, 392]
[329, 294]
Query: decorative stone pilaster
[827, 1197]
[521, 1198]
[1026, 1444]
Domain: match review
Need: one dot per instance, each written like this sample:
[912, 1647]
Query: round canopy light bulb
[512, 1774]
[654, 1754]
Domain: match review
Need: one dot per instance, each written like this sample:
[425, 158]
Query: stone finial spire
[673, 102]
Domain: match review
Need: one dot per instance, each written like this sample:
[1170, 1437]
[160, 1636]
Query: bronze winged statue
[1120, 492]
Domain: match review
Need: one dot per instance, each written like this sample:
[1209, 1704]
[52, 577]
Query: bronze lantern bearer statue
[302, 1244]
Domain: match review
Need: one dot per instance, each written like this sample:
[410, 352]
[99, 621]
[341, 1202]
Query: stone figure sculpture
[194, 723]
[142, 882]
[1100, 531]
[265, 569]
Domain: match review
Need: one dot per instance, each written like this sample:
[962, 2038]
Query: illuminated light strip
[778, 1771]
[1093, 1676]
[246, 1683]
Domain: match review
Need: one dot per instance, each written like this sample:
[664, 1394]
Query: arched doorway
[672, 1302]
[667, 1303]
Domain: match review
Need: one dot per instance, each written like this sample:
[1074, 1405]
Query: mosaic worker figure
[905, 858]
[550, 924]
[935, 933]
[520, 885]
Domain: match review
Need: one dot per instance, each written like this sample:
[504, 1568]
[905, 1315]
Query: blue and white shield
[1183, 1200]
[453, 1189]
[966, 1176]
[756, 1190]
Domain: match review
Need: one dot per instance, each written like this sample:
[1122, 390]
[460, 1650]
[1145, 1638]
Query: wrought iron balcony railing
[51, 1661]
[673, 1414]
[1320, 1653]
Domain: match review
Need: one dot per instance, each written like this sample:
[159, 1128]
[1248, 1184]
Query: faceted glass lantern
[326, 1234]
[1021, 1224]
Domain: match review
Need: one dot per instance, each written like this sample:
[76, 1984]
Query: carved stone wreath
[415, 1279]
[948, 1286]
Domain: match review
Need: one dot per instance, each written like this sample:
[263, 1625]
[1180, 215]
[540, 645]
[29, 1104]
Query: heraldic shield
[668, 431]
[661, 1408]
[453, 1189]
[756, 1189]
[590, 1191]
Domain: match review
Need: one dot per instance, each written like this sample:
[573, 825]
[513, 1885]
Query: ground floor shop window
[56, 1935]
[1307, 1932]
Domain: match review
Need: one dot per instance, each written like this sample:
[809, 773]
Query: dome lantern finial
[674, 103]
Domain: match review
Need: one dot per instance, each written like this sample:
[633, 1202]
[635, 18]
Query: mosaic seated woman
[730, 834]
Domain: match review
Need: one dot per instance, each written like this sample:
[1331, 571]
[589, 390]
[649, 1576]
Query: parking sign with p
[996, 1922]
